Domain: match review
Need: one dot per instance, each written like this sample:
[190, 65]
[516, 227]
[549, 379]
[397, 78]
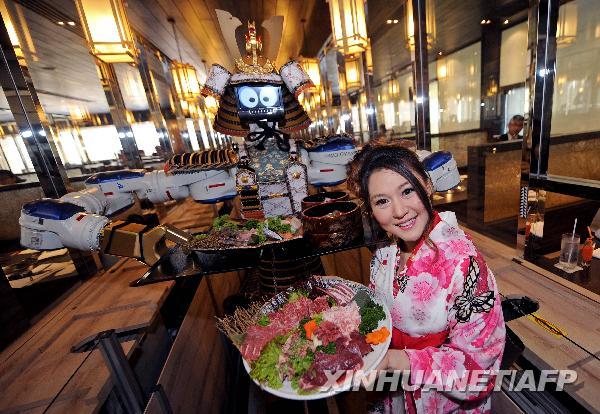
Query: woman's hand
[395, 359]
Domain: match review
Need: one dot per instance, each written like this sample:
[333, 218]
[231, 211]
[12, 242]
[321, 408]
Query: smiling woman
[446, 322]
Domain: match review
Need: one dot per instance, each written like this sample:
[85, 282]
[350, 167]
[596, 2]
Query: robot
[270, 172]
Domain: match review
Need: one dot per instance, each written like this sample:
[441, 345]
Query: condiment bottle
[587, 252]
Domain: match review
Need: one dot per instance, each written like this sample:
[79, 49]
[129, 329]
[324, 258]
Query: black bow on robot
[267, 132]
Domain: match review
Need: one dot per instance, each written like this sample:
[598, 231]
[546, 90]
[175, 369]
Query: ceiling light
[429, 24]
[506, 21]
[440, 53]
[388, 21]
[61, 23]
[483, 21]
[106, 30]
[349, 26]
[71, 23]
[395, 21]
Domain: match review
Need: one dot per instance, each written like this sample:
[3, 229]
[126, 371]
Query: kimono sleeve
[464, 367]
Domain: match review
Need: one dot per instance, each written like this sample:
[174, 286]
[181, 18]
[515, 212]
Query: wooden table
[572, 308]
[38, 372]
[588, 277]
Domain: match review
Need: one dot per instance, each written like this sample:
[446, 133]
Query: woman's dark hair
[391, 157]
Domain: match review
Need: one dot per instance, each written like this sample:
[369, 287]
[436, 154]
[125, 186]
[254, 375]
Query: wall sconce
[566, 32]
[185, 79]
[353, 73]
[348, 24]
[442, 70]
[107, 30]
[429, 24]
[492, 87]
[393, 88]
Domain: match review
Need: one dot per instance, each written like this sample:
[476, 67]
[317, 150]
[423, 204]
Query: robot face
[259, 101]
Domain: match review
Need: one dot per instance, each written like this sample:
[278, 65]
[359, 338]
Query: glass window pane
[513, 55]
[576, 100]
[146, 137]
[102, 143]
[192, 131]
[12, 154]
[458, 89]
[70, 151]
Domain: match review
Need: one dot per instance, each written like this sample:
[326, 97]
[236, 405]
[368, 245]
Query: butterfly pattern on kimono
[468, 302]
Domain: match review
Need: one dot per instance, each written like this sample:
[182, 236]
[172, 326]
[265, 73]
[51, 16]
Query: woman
[446, 314]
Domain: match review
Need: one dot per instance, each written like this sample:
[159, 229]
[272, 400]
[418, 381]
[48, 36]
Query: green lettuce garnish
[265, 369]
[223, 222]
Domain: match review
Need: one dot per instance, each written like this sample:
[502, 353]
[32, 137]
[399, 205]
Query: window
[458, 77]
[146, 137]
[70, 151]
[192, 131]
[576, 104]
[11, 152]
[513, 55]
[102, 143]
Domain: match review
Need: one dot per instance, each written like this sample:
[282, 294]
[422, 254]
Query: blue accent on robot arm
[107, 176]
[436, 160]
[51, 209]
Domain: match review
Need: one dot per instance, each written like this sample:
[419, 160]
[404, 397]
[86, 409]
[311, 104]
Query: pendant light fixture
[107, 30]
[184, 75]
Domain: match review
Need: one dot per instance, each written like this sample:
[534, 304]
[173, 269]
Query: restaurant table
[588, 277]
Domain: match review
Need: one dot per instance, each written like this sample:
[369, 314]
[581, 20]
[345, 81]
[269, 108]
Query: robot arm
[442, 169]
[49, 224]
[107, 193]
[327, 162]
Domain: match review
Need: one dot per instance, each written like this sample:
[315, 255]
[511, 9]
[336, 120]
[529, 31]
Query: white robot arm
[442, 169]
[109, 192]
[50, 224]
[327, 163]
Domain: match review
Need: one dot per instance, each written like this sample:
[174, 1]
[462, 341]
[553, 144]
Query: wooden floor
[38, 371]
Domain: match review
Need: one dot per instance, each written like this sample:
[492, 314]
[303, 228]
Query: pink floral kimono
[446, 313]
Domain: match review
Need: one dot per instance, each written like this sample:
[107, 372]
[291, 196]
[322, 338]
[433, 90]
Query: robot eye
[268, 96]
[248, 97]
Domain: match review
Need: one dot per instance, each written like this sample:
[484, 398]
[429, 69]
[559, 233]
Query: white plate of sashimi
[306, 340]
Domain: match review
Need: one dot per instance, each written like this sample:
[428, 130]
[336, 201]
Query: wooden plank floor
[36, 367]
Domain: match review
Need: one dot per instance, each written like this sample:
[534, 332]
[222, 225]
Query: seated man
[515, 125]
